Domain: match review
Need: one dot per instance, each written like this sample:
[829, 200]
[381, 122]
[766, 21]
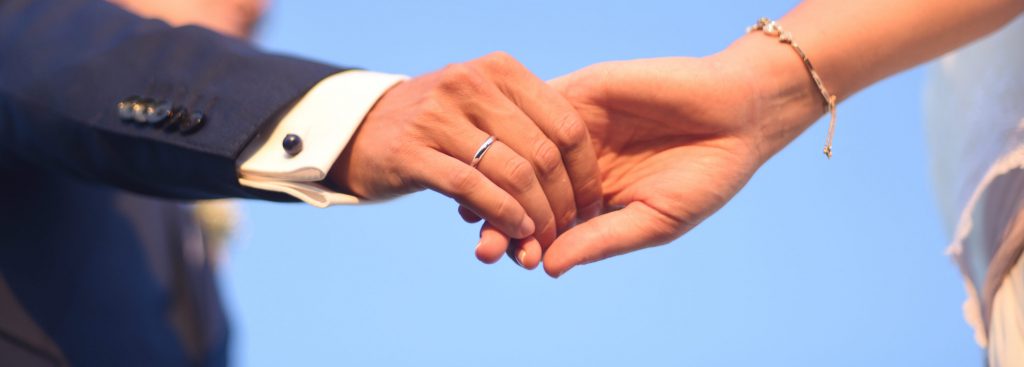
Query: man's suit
[93, 216]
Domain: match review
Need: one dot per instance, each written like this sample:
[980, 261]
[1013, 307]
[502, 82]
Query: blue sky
[815, 262]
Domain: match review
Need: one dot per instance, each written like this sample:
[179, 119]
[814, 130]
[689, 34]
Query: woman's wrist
[784, 99]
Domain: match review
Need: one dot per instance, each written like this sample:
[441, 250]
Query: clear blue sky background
[814, 263]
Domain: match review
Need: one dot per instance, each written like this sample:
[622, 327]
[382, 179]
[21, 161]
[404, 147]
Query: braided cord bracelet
[769, 27]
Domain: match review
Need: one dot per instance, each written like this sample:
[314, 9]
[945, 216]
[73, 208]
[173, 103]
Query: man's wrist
[296, 154]
[338, 176]
[342, 176]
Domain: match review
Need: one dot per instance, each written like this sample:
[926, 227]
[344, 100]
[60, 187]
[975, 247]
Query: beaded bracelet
[771, 28]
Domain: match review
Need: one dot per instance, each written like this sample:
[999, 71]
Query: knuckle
[503, 62]
[499, 58]
[520, 175]
[454, 71]
[463, 181]
[456, 77]
[547, 158]
[571, 131]
[505, 210]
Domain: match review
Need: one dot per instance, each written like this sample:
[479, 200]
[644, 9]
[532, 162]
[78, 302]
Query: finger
[504, 119]
[560, 122]
[516, 176]
[635, 227]
[563, 126]
[468, 215]
[473, 190]
[493, 244]
[509, 171]
[526, 252]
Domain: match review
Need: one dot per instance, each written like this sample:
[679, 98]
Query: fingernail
[517, 258]
[526, 227]
[521, 257]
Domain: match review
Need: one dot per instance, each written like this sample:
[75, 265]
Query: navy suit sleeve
[65, 65]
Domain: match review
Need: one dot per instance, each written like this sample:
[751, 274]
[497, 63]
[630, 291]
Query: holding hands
[675, 139]
[660, 144]
[534, 179]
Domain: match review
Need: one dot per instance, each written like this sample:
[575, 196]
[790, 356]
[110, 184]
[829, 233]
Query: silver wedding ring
[481, 151]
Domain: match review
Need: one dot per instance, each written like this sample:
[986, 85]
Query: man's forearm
[69, 69]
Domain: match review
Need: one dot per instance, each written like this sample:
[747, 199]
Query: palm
[672, 146]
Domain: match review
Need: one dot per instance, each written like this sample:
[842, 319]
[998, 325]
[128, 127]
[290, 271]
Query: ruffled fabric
[974, 115]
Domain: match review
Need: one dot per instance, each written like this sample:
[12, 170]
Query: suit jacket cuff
[324, 120]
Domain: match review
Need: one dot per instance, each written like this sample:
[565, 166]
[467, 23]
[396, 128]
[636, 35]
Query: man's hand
[423, 133]
[676, 138]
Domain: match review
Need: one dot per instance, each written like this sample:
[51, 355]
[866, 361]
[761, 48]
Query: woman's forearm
[853, 44]
[857, 43]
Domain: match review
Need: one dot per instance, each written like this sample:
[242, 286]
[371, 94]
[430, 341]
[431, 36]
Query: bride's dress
[974, 116]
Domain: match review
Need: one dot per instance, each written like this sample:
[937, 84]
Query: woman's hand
[676, 138]
[423, 133]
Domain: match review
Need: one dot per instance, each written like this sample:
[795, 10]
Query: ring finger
[514, 174]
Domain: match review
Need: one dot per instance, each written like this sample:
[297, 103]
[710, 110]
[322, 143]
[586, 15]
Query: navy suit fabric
[65, 64]
[94, 210]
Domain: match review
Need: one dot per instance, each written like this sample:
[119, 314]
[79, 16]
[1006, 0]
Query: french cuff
[318, 127]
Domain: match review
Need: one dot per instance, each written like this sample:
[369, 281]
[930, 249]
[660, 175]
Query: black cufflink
[292, 144]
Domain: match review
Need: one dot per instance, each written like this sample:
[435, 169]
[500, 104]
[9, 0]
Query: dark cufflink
[158, 112]
[292, 144]
[193, 123]
[139, 108]
[124, 108]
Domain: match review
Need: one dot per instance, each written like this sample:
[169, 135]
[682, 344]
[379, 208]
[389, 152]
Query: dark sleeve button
[178, 114]
[193, 123]
[292, 144]
[124, 108]
[139, 109]
[158, 112]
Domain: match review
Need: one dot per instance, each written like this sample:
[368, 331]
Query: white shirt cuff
[324, 119]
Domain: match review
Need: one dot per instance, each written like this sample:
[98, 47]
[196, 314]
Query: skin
[236, 18]
[530, 185]
[676, 138]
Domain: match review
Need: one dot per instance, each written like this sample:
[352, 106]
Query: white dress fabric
[974, 117]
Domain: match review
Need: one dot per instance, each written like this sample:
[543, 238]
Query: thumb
[635, 227]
